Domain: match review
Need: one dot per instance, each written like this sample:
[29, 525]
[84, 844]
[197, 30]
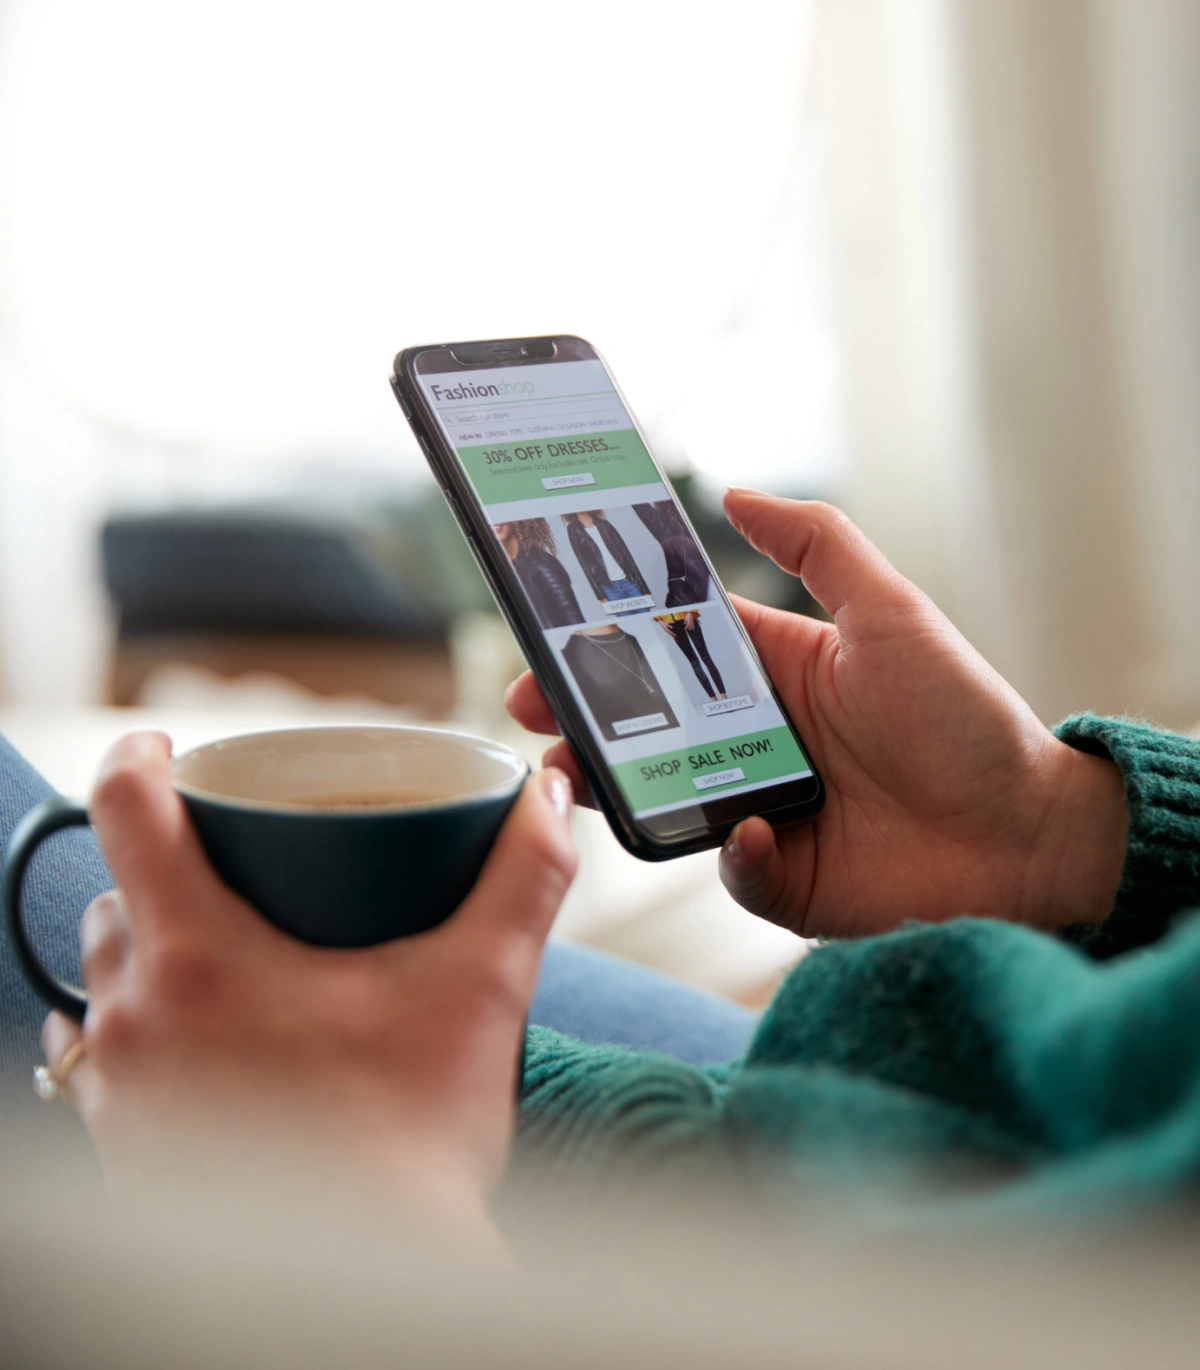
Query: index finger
[844, 571]
[144, 830]
[527, 705]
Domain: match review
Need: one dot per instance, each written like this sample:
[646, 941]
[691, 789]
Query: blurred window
[219, 222]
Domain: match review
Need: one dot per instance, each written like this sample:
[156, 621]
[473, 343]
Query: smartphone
[614, 603]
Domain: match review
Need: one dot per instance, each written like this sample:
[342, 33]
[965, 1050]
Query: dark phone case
[520, 618]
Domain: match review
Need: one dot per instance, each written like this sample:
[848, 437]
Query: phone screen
[625, 597]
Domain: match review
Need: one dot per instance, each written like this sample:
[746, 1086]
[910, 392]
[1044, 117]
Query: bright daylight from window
[221, 222]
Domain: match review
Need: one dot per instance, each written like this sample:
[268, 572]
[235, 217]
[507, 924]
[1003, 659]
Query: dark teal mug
[343, 837]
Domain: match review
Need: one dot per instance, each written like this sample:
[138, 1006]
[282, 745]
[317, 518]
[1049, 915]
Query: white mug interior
[379, 767]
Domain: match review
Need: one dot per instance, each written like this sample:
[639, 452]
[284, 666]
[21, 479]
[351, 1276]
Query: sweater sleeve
[1054, 1074]
[1004, 1068]
[1161, 875]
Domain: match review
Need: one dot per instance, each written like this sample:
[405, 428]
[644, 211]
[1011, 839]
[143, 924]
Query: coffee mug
[342, 836]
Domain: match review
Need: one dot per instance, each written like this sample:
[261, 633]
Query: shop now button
[715, 778]
[565, 482]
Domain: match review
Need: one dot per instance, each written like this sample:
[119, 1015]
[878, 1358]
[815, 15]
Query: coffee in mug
[341, 836]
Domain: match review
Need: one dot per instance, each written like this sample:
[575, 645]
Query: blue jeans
[624, 589]
[586, 994]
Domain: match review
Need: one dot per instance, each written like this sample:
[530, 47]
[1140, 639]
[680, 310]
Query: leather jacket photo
[591, 561]
[687, 572]
[548, 585]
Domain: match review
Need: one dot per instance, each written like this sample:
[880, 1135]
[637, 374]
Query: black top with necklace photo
[616, 679]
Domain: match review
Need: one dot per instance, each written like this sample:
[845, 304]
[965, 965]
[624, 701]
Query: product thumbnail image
[530, 546]
[607, 562]
[685, 630]
[687, 571]
[615, 678]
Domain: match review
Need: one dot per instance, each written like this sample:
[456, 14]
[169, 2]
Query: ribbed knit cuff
[1161, 876]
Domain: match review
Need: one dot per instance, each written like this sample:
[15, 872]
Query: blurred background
[935, 260]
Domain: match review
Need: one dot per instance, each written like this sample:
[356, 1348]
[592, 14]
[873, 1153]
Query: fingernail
[743, 490]
[558, 788]
[733, 847]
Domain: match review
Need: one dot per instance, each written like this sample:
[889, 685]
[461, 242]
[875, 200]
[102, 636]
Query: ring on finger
[48, 1083]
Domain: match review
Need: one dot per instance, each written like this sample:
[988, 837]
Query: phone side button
[477, 553]
[406, 408]
[482, 563]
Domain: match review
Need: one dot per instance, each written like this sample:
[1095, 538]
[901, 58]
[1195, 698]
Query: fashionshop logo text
[465, 390]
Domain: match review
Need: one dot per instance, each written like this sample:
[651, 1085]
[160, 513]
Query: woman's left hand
[205, 1021]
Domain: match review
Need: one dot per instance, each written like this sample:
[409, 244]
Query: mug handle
[48, 818]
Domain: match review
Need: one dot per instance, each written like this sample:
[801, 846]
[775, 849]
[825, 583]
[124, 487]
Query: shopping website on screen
[625, 597]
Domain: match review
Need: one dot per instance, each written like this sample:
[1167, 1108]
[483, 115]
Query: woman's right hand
[945, 793]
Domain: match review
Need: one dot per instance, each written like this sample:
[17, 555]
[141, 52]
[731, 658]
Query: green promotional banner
[533, 467]
[709, 770]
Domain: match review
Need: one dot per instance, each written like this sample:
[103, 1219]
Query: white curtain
[1015, 195]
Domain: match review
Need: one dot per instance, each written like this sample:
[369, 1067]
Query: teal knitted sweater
[1048, 1073]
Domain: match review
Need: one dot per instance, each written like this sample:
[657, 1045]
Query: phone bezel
[802, 799]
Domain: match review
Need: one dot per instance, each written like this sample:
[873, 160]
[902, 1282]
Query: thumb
[752, 870]
[507, 916]
[845, 572]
